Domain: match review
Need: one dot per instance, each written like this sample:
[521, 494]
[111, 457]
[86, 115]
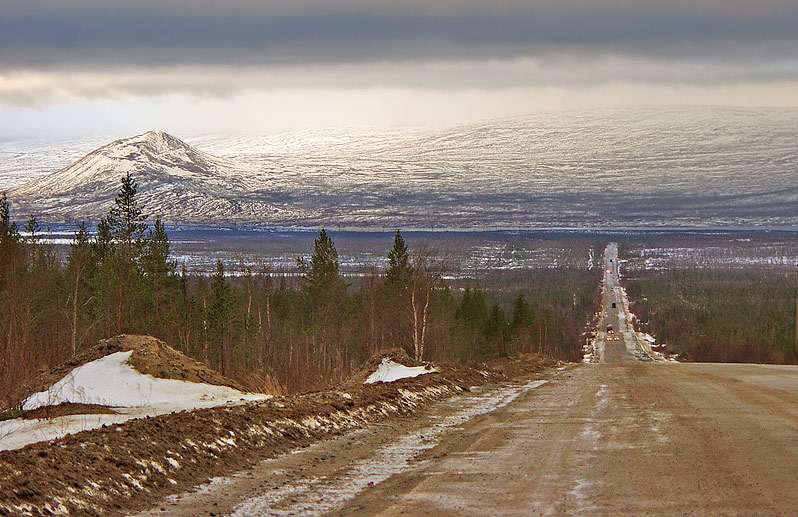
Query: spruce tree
[78, 268]
[496, 328]
[322, 275]
[33, 229]
[522, 314]
[126, 218]
[155, 260]
[11, 253]
[126, 221]
[399, 272]
[220, 314]
[8, 230]
[103, 243]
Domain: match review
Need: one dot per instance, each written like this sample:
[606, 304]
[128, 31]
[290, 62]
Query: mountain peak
[158, 161]
[156, 138]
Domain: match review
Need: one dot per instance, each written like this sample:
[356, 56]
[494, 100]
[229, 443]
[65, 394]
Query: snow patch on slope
[111, 381]
[390, 371]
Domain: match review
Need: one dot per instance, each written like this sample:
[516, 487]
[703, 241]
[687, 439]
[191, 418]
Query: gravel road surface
[626, 435]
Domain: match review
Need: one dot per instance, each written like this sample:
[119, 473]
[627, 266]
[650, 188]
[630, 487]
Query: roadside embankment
[133, 464]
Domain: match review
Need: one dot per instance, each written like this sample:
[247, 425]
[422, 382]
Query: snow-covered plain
[390, 371]
[655, 167]
[111, 381]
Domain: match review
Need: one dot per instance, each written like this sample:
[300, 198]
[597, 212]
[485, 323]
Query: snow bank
[389, 371]
[111, 381]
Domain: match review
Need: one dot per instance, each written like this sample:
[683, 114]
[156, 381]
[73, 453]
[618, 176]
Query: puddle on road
[316, 496]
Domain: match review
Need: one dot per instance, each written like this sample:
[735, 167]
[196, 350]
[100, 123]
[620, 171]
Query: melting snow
[111, 381]
[389, 371]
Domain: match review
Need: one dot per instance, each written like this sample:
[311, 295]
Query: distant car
[613, 305]
[609, 271]
[610, 330]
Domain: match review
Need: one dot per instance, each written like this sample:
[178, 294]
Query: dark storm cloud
[97, 34]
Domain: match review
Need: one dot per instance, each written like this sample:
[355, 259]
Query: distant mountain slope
[696, 166]
[174, 179]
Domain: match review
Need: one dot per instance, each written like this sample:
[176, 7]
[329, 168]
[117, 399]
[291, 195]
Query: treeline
[268, 331]
[719, 315]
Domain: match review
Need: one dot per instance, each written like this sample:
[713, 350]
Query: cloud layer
[88, 51]
[98, 34]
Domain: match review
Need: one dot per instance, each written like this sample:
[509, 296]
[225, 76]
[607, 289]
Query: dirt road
[627, 435]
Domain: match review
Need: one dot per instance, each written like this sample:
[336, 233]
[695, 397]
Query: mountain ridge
[658, 167]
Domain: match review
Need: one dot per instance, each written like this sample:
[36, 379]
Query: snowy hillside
[701, 166]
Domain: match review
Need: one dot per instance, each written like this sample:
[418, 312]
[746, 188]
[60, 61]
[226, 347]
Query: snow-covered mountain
[695, 166]
[174, 180]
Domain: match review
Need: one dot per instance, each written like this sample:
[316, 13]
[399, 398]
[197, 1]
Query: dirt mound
[150, 356]
[156, 358]
[67, 408]
[521, 365]
[132, 465]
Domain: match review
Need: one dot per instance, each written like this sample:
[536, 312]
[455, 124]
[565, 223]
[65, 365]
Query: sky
[191, 67]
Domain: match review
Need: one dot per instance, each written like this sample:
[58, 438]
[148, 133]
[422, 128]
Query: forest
[719, 315]
[268, 331]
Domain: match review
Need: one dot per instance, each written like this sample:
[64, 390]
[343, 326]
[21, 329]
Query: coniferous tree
[32, 228]
[220, 313]
[522, 314]
[159, 280]
[11, 252]
[103, 243]
[78, 268]
[496, 329]
[398, 273]
[8, 229]
[126, 221]
[324, 294]
[155, 261]
[126, 218]
[396, 293]
[321, 275]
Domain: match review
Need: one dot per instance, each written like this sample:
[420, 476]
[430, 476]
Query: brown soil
[521, 365]
[156, 358]
[133, 465]
[150, 355]
[67, 408]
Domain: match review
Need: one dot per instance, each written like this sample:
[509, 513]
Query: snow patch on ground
[390, 371]
[111, 381]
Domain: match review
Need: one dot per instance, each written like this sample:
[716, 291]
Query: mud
[67, 408]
